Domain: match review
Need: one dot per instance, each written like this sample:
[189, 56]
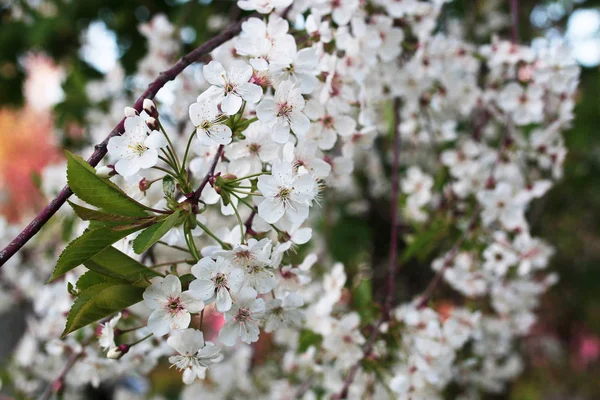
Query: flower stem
[212, 235]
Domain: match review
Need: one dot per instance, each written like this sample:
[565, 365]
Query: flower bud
[144, 185]
[117, 352]
[152, 123]
[106, 171]
[150, 108]
[130, 112]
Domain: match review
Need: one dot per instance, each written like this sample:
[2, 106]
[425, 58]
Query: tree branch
[428, 292]
[393, 259]
[100, 149]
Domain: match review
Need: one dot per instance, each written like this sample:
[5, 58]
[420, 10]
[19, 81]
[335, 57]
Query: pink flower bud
[150, 108]
[130, 112]
[117, 352]
[106, 171]
[152, 123]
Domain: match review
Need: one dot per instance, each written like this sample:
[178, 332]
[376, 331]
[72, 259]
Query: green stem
[237, 214]
[187, 148]
[251, 176]
[189, 239]
[141, 340]
[172, 263]
[167, 160]
[170, 145]
[166, 171]
[212, 235]
[174, 247]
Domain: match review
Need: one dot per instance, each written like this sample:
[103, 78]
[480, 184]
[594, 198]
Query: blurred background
[50, 50]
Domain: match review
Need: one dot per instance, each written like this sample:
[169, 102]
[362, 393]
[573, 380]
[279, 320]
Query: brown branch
[393, 259]
[100, 149]
[514, 10]
[428, 292]
[211, 171]
[58, 384]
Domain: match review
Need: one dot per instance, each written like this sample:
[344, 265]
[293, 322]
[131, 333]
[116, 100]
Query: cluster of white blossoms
[298, 102]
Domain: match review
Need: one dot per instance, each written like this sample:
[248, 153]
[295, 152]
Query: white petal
[180, 320]
[191, 303]
[221, 134]
[224, 301]
[159, 323]
[299, 123]
[148, 159]
[229, 333]
[214, 73]
[203, 289]
[266, 111]
[127, 167]
[156, 140]
[344, 125]
[250, 92]
[280, 132]
[271, 210]
[231, 104]
[239, 72]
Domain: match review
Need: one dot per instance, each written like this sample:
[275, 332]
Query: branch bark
[393, 258]
[100, 149]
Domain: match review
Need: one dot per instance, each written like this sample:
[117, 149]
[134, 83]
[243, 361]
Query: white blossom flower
[263, 6]
[216, 279]
[242, 319]
[284, 112]
[285, 193]
[210, 128]
[255, 149]
[171, 306]
[525, 105]
[345, 340]
[229, 88]
[195, 356]
[137, 148]
[266, 43]
[284, 312]
[302, 71]
[106, 338]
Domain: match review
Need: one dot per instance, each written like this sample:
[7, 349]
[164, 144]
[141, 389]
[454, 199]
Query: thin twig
[514, 10]
[428, 292]
[393, 259]
[100, 149]
[58, 383]
[196, 195]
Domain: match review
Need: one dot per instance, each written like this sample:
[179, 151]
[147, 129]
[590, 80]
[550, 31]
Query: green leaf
[92, 278]
[308, 338]
[97, 191]
[87, 214]
[426, 241]
[168, 184]
[100, 301]
[362, 300]
[113, 263]
[153, 234]
[87, 246]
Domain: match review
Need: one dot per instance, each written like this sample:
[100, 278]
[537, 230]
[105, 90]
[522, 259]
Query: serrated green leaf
[153, 234]
[97, 191]
[87, 246]
[92, 278]
[100, 301]
[113, 263]
[168, 184]
[87, 214]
